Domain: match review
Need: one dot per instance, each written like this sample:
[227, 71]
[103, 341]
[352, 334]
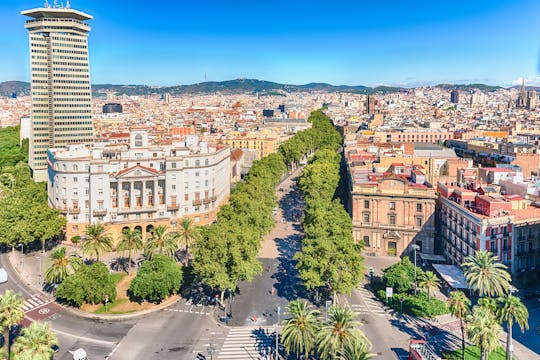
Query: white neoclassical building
[138, 185]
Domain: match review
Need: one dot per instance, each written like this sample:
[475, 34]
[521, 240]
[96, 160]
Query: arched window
[75, 167]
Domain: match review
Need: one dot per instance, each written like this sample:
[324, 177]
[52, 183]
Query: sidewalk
[30, 268]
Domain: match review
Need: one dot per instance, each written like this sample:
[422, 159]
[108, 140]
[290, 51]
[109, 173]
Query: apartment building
[139, 185]
[471, 219]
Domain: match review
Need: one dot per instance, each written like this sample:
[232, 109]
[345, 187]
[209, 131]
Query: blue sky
[357, 42]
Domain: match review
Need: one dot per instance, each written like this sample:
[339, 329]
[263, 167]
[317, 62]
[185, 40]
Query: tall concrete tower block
[60, 82]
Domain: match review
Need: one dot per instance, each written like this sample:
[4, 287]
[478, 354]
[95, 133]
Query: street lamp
[40, 270]
[327, 305]
[211, 350]
[277, 331]
[415, 248]
[22, 256]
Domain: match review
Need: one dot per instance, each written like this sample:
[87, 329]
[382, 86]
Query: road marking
[85, 338]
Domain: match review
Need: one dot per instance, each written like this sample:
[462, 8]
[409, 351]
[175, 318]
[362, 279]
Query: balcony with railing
[99, 212]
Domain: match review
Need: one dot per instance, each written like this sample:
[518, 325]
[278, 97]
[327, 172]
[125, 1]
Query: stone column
[144, 195]
[118, 193]
[155, 194]
[131, 194]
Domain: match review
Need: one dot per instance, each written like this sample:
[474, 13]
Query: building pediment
[391, 234]
[136, 172]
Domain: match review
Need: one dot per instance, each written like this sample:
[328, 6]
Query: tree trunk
[509, 341]
[481, 352]
[222, 296]
[462, 339]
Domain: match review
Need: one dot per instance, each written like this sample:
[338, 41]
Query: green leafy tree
[429, 281]
[90, 283]
[35, 343]
[97, 241]
[483, 330]
[161, 242]
[62, 265]
[338, 332]
[458, 304]
[11, 313]
[486, 275]
[356, 350]
[511, 310]
[156, 279]
[400, 276]
[130, 241]
[300, 329]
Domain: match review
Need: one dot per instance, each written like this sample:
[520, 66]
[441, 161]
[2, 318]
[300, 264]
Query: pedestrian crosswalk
[34, 302]
[249, 342]
[368, 304]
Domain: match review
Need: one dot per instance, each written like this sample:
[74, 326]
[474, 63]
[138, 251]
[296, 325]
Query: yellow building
[263, 145]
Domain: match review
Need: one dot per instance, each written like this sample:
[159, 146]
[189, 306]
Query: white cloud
[531, 81]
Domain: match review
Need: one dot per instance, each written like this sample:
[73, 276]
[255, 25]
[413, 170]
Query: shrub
[89, 283]
[400, 276]
[418, 305]
[157, 279]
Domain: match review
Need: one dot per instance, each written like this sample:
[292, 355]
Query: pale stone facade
[138, 186]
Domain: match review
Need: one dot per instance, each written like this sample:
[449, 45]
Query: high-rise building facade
[60, 82]
[454, 97]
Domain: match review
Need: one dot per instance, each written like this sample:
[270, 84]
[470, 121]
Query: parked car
[3, 275]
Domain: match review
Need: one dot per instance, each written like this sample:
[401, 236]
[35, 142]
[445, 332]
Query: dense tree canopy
[89, 283]
[226, 252]
[329, 257]
[156, 279]
[25, 216]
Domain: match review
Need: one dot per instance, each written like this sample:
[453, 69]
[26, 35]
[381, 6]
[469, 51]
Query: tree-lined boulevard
[280, 253]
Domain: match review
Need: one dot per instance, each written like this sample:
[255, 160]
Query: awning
[452, 275]
[431, 257]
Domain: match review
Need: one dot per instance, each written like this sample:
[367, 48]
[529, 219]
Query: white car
[3, 275]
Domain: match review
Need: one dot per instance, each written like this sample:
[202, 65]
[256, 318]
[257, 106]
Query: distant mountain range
[234, 87]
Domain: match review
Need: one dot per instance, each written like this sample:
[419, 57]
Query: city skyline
[394, 44]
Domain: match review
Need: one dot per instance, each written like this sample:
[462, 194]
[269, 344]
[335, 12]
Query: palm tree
[429, 281]
[340, 329]
[36, 343]
[97, 241]
[483, 330]
[62, 265]
[486, 275]
[511, 310]
[130, 241]
[355, 350]
[161, 242]
[11, 313]
[187, 234]
[458, 305]
[300, 330]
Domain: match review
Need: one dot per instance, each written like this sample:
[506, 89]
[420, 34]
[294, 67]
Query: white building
[138, 185]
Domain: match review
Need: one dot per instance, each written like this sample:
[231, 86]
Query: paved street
[257, 302]
[248, 342]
